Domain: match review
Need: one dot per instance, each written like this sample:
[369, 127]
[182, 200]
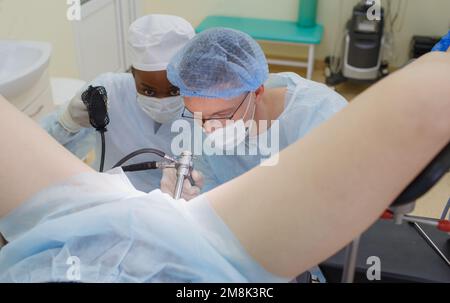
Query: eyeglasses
[190, 115]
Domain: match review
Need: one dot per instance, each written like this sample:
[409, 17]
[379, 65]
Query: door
[100, 36]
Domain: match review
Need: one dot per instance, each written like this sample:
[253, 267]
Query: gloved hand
[443, 45]
[169, 181]
[75, 116]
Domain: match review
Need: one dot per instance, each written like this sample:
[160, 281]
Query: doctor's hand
[75, 116]
[169, 180]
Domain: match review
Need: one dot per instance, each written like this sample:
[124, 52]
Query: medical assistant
[130, 129]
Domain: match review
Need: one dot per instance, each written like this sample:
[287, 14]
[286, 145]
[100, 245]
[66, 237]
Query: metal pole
[311, 58]
[179, 187]
[351, 255]
[431, 243]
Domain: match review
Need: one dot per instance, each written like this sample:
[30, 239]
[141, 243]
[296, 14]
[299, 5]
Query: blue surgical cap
[219, 63]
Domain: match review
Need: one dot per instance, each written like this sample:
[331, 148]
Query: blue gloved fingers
[443, 45]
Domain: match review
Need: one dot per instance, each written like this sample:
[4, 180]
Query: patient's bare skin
[336, 182]
[326, 189]
[2, 241]
[30, 160]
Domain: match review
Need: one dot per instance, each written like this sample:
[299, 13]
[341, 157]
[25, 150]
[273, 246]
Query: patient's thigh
[2, 241]
[31, 160]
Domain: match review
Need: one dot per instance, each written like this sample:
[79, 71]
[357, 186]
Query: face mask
[161, 110]
[232, 135]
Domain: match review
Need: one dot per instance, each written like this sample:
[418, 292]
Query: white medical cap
[154, 39]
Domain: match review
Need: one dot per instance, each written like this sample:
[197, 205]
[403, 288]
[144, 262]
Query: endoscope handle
[184, 168]
[96, 101]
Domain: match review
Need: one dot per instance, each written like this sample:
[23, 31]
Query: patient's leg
[2, 241]
[333, 184]
[29, 159]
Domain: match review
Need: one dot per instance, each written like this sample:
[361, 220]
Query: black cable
[140, 166]
[140, 152]
[102, 159]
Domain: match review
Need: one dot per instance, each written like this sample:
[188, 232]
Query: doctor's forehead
[209, 104]
[155, 79]
[219, 101]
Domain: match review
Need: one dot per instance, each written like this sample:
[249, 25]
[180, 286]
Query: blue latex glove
[443, 45]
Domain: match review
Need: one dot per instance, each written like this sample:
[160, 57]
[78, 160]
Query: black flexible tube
[140, 166]
[102, 159]
[140, 152]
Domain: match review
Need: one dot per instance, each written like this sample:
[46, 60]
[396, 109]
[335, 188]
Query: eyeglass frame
[204, 120]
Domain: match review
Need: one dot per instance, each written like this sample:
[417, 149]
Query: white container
[24, 77]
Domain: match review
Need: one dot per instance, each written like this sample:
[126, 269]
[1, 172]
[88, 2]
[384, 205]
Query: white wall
[430, 17]
[42, 20]
[45, 20]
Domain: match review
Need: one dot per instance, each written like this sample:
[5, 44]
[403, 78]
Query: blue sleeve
[332, 103]
[210, 181]
[313, 106]
[77, 143]
[443, 45]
